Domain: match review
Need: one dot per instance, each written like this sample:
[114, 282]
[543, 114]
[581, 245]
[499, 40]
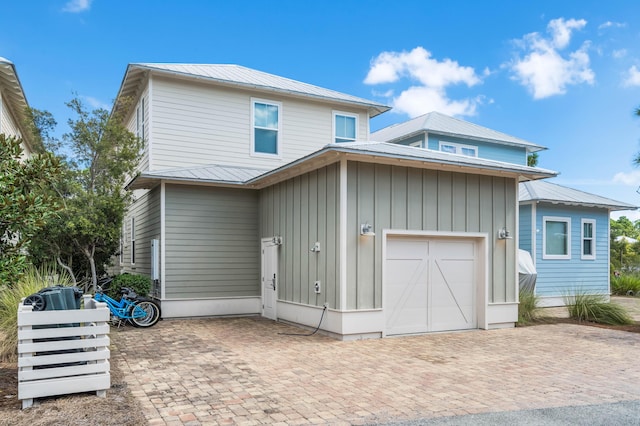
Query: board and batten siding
[560, 277]
[146, 212]
[305, 210]
[212, 247]
[197, 123]
[402, 198]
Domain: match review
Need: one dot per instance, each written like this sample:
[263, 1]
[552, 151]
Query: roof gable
[435, 122]
[13, 94]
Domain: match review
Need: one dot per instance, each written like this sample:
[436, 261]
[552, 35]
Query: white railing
[63, 352]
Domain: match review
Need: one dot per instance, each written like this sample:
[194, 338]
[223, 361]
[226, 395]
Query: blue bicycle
[140, 311]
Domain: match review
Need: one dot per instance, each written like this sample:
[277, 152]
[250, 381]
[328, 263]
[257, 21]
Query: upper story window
[456, 148]
[266, 124]
[140, 131]
[556, 238]
[588, 239]
[344, 127]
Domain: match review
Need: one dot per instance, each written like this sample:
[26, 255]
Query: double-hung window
[266, 125]
[556, 238]
[588, 239]
[344, 127]
[456, 148]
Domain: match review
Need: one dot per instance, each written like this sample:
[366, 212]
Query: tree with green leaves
[532, 159]
[27, 203]
[103, 153]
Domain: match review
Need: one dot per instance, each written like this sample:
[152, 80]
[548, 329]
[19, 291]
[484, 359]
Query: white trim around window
[268, 126]
[133, 241]
[556, 237]
[343, 133]
[457, 148]
[588, 239]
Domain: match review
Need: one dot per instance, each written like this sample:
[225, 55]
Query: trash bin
[57, 298]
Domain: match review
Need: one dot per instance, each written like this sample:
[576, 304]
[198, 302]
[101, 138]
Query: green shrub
[141, 284]
[625, 284]
[595, 308]
[528, 307]
[30, 282]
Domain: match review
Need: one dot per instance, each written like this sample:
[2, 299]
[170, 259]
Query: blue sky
[562, 74]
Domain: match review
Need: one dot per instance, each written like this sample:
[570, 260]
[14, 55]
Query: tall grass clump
[528, 308]
[31, 282]
[596, 308]
[625, 284]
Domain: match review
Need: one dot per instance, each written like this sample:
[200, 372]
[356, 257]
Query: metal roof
[553, 193]
[13, 94]
[239, 76]
[435, 122]
[378, 152]
[211, 174]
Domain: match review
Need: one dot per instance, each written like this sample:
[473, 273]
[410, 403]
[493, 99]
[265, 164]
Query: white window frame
[591, 256]
[459, 147]
[278, 153]
[133, 240]
[344, 114]
[123, 233]
[566, 220]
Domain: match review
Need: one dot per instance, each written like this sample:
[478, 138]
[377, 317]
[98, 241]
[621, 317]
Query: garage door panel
[407, 290]
[430, 285]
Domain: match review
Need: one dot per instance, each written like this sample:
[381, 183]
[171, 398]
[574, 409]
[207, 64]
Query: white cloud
[610, 24]
[620, 53]
[433, 76]
[95, 102]
[632, 178]
[77, 6]
[543, 70]
[632, 77]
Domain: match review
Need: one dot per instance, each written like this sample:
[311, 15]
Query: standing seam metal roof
[443, 124]
[554, 193]
[241, 76]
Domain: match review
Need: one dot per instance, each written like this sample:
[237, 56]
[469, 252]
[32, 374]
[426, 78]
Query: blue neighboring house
[566, 231]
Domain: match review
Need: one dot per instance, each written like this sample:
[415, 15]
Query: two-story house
[258, 194]
[13, 105]
[566, 231]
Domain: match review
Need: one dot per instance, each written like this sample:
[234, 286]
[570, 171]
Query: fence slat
[48, 333]
[63, 345]
[73, 370]
[63, 386]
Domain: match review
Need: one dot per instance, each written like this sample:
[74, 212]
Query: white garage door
[430, 284]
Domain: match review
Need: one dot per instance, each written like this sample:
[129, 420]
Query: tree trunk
[68, 269]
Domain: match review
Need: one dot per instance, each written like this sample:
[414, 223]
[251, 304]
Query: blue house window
[266, 127]
[344, 127]
[588, 241]
[456, 148]
[556, 238]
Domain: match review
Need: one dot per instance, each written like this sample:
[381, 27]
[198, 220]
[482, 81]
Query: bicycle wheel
[145, 313]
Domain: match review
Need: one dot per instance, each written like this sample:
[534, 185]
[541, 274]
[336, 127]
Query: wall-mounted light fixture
[316, 247]
[504, 234]
[366, 230]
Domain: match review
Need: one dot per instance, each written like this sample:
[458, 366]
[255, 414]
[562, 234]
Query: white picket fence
[63, 352]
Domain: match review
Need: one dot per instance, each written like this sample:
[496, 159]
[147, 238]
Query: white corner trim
[163, 238]
[343, 234]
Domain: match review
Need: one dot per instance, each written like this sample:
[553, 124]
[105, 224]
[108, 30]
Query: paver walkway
[242, 371]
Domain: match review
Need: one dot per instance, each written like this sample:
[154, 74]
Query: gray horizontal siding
[212, 245]
[146, 211]
[304, 210]
[401, 198]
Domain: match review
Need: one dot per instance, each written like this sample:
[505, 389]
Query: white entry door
[430, 284]
[269, 279]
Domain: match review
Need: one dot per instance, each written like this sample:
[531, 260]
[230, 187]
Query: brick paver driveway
[242, 371]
